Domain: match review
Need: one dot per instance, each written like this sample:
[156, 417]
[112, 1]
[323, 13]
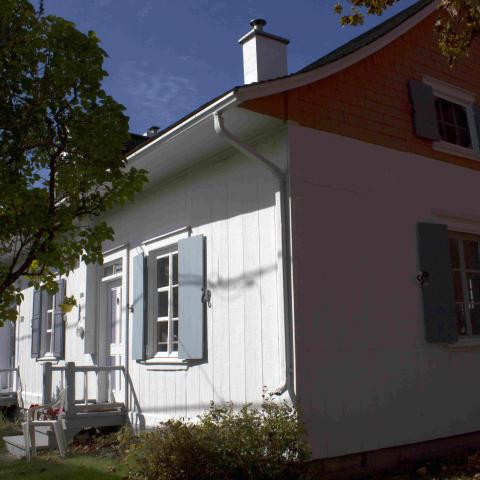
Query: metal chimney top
[258, 23]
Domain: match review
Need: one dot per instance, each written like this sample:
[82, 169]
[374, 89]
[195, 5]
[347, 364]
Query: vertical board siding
[233, 203]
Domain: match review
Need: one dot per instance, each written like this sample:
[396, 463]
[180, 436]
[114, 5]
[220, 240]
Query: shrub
[264, 444]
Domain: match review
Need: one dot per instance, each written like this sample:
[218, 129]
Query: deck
[79, 413]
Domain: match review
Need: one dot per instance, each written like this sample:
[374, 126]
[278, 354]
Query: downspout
[288, 384]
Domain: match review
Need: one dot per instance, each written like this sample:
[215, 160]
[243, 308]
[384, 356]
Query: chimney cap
[258, 23]
[151, 131]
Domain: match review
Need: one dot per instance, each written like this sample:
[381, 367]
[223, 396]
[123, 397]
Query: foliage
[250, 443]
[71, 300]
[61, 151]
[457, 25]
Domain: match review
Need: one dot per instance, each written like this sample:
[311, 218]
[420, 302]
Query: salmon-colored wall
[360, 181]
[370, 100]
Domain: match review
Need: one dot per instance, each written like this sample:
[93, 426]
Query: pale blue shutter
[59, 322]
[437, 290]
[36, 322]
[191, 280]
[424, 112]
[138, 316]
[90, 342]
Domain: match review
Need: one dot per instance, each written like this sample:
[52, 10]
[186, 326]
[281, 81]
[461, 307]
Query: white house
[300, 232]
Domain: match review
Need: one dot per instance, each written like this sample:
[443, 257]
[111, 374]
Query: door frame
[119, 253]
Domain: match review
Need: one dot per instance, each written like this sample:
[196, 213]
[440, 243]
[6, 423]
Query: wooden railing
[10, 380]
[103, 392]
[10, 377]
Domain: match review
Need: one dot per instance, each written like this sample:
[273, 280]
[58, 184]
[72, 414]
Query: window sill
[465, 344]
[48, 358]
[451, 148]
[165, 363]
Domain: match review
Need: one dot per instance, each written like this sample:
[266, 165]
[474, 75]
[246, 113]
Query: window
[112, 269]
[167, 301]
[453, 122]
[465, 264]
[447, 115]
[49, 325]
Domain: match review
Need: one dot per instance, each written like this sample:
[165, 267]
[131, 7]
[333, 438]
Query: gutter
[283, 176]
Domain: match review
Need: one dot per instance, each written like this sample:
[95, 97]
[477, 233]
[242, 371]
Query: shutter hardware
[206, 297]
[422, 277]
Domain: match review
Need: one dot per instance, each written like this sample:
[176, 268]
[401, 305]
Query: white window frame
[466, 99]
[51, 331]
[460, 237]
[169, 319]
[155, 246]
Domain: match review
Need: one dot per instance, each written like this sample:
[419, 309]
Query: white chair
[33, 421]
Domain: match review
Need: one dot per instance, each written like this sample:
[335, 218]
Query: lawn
[92, 460]
[51, 467]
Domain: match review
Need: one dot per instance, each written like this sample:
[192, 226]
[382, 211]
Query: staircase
[78, 414]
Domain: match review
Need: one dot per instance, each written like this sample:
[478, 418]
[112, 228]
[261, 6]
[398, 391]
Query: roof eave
[296, 80]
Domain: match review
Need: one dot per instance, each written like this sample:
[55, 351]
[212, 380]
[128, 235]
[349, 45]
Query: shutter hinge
[422, 277]
[206, 297]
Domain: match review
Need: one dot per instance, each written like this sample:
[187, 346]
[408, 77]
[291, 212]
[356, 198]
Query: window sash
[170, 345]
[49, 321]
[468, 302]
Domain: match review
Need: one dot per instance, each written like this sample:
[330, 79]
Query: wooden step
[15, 444]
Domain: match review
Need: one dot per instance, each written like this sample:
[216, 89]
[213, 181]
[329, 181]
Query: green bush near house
[265, 444]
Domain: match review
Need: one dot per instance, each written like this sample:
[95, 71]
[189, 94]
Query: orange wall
[370, 100]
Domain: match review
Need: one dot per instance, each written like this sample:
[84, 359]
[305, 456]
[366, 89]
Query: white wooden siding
[233, 201]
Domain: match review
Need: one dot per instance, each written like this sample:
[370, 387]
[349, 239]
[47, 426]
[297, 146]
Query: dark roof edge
[350, 47]
[369, 36]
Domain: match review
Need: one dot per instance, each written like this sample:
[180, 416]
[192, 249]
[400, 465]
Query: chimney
[151, 131]
[264, 54]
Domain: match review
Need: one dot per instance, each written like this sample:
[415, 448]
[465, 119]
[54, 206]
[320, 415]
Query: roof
[368, 37]
[345, 50]
[133, 142]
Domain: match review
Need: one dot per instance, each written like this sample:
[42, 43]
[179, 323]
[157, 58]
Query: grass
[51, 467]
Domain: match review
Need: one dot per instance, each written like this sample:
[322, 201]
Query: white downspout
[288, 384]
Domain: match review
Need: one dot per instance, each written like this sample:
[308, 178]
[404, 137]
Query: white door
[113, 334]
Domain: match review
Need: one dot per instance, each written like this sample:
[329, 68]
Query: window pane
[50, 302]
[49, 320]
[163, 304]
[175, 268]
[463, 137]
[108, 270]
[447, 110]
[457, 286]
[117, 267]
[175, 302]
[473, 286]
[48, 341]
[472, 257]
[461, 116]
[162, 272]
[162, 331]
[475, 318]
[461, 323]
[162, 347]
[450, 134]
[175, 330]
[454, 255]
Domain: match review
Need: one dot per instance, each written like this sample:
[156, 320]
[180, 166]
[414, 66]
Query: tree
[457, 25]
[61, 151]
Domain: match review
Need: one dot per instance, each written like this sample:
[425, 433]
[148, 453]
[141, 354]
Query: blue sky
[168, 57]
